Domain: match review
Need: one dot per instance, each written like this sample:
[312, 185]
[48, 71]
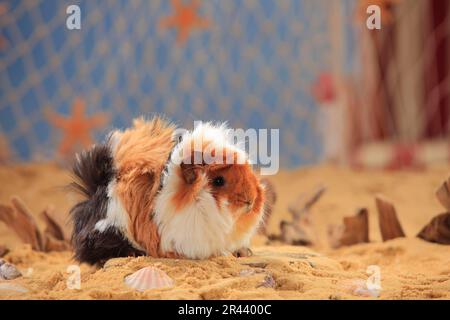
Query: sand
[409, 268]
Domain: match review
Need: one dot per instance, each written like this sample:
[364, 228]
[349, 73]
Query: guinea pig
[145, 194]
[208, 209]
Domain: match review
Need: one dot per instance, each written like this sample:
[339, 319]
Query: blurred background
[336, 90]
[344, 98]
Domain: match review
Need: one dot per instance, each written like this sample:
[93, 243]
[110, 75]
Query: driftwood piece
[443, 194]
[293, 234]
[20, 219]
[271, 198]
[52, 244]
[304, 203]
[390, 226]
[437, 230]
[354, 230]
[299, 231]
[55, 226]
[57, 237]
[3, 251]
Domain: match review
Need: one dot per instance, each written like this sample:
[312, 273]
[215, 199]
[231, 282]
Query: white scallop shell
[148, 278]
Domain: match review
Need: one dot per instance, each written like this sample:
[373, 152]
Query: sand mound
[408, 268]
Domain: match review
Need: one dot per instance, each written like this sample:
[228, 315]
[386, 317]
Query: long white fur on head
[216, 136]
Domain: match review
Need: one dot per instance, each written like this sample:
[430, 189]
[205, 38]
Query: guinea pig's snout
[245, 201]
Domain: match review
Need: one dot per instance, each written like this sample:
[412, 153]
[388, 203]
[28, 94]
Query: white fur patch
[116, 216]
[216, 136]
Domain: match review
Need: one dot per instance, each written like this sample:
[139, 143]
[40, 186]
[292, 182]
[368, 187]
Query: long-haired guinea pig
[145, 196]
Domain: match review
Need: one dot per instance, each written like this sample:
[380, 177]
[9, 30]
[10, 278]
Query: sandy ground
[409, 268]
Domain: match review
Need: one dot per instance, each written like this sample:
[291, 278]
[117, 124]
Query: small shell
[268, 282]
[9, 271]
[148, 278]
[246, 272]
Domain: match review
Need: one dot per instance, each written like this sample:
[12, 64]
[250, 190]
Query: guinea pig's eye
[218, 181]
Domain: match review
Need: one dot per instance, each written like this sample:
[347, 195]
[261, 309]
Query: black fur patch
[94, 169]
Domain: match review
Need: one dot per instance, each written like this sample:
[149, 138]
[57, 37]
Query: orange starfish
[184, 19]
[77, 128]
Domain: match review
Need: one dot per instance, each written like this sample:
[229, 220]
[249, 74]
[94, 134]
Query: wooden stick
[54, 226]
[298, 211]
[353, 231]
[22, 223]
[3, 251]
[299, 231]
[20, 219]
[28, 224]
[52, 244]
[443, 194]
[437, 230]
[295, 234]
[357, 227]
[390, 226]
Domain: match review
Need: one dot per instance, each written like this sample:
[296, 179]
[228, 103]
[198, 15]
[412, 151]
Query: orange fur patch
[246, 222]
[140, 156]
[187, 193]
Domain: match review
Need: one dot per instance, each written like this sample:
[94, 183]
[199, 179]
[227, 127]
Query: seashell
[246, 272]
[148, 278]
[2, 262]
[9, 271]
[437, 230]
[268, 282]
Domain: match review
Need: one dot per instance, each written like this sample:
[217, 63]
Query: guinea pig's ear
[190, 169]
[189, 172]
